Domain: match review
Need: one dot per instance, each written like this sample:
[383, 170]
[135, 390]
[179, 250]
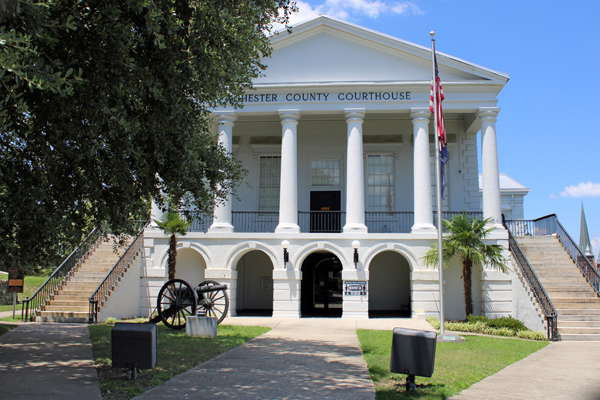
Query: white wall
[124, 300]
[190, 266]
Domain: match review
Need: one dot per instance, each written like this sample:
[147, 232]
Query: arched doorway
[190, 266]
[254, 285]
[389, 286]
[321, 294]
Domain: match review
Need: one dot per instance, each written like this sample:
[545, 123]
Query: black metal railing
[447, 215]
[578, 256]
[321, 221]
[200, 223]
[255, 221]
[549, 225]
[103, 290]
[534, 283]
[32, 305]
[389, 222]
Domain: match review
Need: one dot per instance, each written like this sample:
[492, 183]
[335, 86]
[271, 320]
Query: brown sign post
[16, 280]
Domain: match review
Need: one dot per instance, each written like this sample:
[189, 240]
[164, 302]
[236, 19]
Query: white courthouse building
[338, 141]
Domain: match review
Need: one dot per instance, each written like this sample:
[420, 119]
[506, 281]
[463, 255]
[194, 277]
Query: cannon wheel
[176, 301]
[216, 304]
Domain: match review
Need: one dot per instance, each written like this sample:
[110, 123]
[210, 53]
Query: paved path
[298, 359]
[560, 371]
[41, 361]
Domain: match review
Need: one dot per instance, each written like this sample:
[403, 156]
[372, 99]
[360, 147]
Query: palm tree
[172, 224]
[464, 237]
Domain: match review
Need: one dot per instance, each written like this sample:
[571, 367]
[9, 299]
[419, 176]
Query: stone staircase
[70, 302]
[577, 304]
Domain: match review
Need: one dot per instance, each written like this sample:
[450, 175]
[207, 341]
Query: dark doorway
[321, 286]
[325, 211]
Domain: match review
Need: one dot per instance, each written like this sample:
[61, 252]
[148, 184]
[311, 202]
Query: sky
[547, 132]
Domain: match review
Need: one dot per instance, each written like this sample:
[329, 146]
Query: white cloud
[583, 189]
[596, 244]
[352, 9]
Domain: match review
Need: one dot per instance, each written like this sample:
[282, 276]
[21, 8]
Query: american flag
[439, 97]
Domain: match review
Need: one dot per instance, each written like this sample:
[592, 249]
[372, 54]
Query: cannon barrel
[210, 288]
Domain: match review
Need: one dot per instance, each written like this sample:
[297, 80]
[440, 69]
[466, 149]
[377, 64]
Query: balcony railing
[322, 221]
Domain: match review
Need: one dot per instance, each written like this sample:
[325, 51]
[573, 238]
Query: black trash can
[413, 353]
[133, 345]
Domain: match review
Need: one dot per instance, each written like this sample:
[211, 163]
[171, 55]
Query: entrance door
[321, 286]
[325, 211]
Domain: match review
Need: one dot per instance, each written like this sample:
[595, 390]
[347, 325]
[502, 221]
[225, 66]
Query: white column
[288, 184]
[490, 181]
[422, 171]
[222, 212]
[355, 185]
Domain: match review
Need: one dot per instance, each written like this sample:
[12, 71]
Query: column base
[355, 228]
[287, 228]
[423, 228]
[221, 227]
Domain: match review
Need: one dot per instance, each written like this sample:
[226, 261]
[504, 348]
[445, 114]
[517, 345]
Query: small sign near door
[355, 288]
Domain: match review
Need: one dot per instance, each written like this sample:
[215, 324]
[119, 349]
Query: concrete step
[577, 318]
[61, 308]
[580, 337]
[582, 324]
[62, 296]
[577, 311]
[63, 302]
[552, 293]
[579, 330]
[564, 305]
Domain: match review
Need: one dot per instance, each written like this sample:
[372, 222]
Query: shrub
[533, 335]
[505, 326]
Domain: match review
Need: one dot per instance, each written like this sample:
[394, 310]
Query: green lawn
[32, 283]
[177, 353]
[6, 328]
[457, 366]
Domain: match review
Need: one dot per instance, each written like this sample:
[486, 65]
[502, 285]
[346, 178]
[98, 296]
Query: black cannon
[178, 300]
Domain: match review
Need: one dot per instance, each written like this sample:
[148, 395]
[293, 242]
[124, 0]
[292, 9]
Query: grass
[457, 366]
[6, 328]
[177, 353]
[32, 283]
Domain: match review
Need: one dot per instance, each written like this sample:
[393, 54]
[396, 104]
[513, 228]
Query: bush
[505, 326]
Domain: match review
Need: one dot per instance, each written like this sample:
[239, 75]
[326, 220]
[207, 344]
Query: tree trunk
[467, 268]
[172, 256]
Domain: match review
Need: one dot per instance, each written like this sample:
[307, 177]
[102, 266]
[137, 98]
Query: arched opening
[190, 266]
[321, 291]
[254, 285]
[389, 286]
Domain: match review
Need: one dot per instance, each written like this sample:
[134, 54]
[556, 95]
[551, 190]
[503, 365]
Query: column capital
[488, 113]
[355, 114]
[289, 116]
[225, 117]
[419, 115]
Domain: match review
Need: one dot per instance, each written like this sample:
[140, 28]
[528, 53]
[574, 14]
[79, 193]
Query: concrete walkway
[298, 359]
[41, 361]
[560, 371]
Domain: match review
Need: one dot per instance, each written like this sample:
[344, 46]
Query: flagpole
[439, 185]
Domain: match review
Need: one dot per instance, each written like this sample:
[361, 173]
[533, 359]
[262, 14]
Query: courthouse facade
[337, 138]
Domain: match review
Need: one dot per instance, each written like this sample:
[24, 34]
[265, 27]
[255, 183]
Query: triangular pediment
[326, 50]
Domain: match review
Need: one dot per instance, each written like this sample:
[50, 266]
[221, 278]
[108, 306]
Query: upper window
[380, 182]
[325, 172]
[270, 174]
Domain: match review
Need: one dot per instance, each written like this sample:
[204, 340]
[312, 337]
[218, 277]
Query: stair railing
[33, 304]
[588, 270]
[117, 271]
[535, 284]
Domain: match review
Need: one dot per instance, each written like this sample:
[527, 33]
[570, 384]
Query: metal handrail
[535, 284]
[109, 282]
[590, 273]
[32, 304]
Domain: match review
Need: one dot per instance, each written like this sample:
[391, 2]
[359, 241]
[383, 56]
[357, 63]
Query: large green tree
[104, 104]
[464, 237]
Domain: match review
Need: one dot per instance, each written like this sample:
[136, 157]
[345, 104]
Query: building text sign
[325, 97]
[355, 288]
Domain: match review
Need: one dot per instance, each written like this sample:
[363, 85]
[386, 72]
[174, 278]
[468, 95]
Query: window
[270, 174]
[380, 183]
[325, 172]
